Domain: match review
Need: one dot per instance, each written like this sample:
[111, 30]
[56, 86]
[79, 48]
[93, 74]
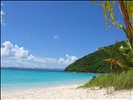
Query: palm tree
[125, 52]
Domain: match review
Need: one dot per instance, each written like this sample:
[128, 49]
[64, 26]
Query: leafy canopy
[125, 57]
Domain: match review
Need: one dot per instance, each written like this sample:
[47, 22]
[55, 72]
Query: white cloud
[2, 4]
[21, 64]
[56, 36]
[10, 50]
[2, 13]
[68, 60]
[42, 60]
[23, 59]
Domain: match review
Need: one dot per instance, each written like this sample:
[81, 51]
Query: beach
[70, 92]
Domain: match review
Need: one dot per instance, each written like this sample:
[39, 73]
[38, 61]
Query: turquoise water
[16, 80]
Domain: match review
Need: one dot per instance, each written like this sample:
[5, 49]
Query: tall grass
[123, 80]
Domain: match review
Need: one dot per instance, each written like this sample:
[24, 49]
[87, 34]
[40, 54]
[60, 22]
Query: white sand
[70, 93]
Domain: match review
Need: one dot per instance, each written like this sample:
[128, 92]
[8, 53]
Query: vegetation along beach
[96, 38]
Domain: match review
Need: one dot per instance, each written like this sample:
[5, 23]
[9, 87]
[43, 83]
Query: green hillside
[94, 62]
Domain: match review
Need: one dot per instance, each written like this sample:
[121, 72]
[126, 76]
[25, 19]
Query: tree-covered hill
[94, 62]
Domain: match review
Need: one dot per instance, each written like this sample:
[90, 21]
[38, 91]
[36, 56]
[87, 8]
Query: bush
[123, 80]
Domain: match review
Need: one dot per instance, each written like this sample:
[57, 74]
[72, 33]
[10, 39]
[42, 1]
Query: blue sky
[53, 34]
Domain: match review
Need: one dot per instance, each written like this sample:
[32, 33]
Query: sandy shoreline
[69, 93]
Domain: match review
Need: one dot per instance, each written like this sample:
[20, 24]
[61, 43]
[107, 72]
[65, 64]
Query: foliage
[119, 81]
[125, 53]
[123, 57]
[126, 9]
[94, 63]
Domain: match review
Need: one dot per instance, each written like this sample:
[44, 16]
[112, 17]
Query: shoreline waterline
[40, 89]
[21, 80]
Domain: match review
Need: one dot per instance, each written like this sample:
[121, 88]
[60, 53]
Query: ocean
[23, 80]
